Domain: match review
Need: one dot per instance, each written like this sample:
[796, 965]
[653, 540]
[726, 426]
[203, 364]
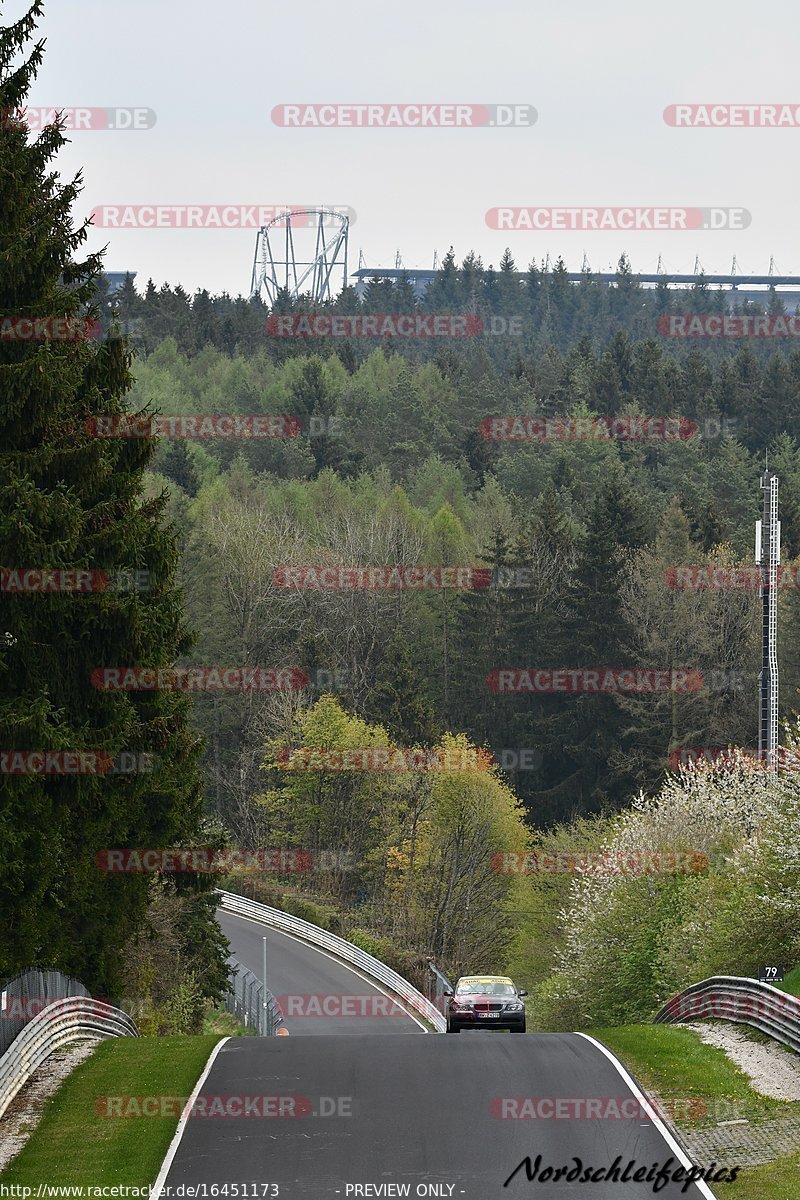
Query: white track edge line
[677, 1150]
[157, 1187]
[339, 961]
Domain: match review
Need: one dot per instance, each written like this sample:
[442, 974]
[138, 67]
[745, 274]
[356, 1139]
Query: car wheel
[451, 1028]
[518, 1029]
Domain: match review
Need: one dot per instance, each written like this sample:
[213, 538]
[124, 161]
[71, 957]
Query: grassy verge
[674, 1063]
[698, 1083]
[218, 1020]
[74, 1145]
[791, 983]
[773, 1181]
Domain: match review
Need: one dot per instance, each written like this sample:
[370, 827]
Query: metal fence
[246, 1001]
[731, 998]
[23, 997]
[346, 951]
[60, 1023]
[436, 987]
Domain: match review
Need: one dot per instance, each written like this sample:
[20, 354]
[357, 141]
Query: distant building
[737, 288]
[116, 279]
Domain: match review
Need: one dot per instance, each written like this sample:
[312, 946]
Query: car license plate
[485, 1015]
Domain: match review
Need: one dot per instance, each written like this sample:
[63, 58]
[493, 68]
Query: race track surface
[421, 1113]
[308, 982]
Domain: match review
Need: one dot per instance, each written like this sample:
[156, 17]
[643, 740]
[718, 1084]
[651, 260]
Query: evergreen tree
[544, 558]
[177, 464]
[128, 306]
[583, 731]
[315, 404]
[482, 642]
[775, 408]
[71, 500]
[400, 702]
[446, 293]
[203, 320]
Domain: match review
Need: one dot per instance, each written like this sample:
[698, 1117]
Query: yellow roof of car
[484, 979]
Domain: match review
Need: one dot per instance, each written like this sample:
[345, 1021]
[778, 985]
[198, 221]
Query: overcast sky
[598, 74]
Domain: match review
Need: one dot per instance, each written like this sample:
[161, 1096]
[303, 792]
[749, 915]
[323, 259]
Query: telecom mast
[768, 557]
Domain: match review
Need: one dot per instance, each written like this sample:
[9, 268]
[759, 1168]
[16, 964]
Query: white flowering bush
[629, 941]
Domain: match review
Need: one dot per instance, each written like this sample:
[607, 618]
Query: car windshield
[484, 987]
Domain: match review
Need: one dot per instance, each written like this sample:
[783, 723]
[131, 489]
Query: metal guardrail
[731, 998]
[245, 1001]
[22, 997]
[58, 1024]
[275, 919]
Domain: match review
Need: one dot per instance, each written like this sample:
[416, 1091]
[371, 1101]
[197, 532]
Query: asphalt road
[313, 989]
[423, 1112]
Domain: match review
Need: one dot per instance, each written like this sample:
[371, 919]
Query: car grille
[484, 1006]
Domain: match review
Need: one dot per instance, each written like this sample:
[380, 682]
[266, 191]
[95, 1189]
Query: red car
[485, 1002]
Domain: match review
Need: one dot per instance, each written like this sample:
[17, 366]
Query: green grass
[674, 1063]
[773, 1181]
[791, 983]
[74, 1145]
[218, 1020]
[698, 1083]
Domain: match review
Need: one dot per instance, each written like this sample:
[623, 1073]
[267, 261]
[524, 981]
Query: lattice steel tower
[768, 557]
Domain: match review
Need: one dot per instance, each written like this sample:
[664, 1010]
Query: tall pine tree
[72, 500]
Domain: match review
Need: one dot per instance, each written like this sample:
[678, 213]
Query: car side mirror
[448, 991]
[522, 992]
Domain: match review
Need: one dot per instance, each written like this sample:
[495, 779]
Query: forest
[580, 537]
[574, 537]
[462, 582]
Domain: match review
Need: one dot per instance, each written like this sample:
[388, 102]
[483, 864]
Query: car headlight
[515, 1006]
